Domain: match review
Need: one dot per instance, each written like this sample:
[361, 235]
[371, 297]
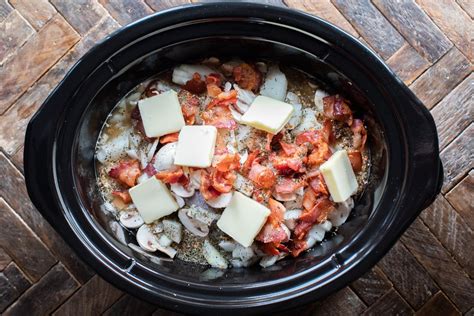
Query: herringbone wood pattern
[428, 43]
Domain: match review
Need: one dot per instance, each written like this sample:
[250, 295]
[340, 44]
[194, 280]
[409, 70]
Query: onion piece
[268, 261]
[152, 149]
[184, 73]
[131, 220]
[339, 216]
[221, 201]
[227, 245]
[132, 153]
[319, 95]
[290, 218]
[243, 253]
[213, 256]
[173, 230]
[164, 241]
[191, 224]
[275, 84]
[178, 199]
[243, 157]
[195, 178]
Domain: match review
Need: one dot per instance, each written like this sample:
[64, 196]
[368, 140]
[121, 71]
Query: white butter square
[196, 146]
[268, 114]
[161, 114]
[243, 219]
[153, 200]
[339, 176]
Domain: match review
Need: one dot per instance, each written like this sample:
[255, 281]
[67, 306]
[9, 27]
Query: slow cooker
[60, 141]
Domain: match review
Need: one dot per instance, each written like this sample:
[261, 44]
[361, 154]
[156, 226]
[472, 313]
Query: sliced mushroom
[181, 190]
[151, 150]
[341, 213]
[195, 178]
[164, 158]
[284, 197]
[184, 73]
[131, 220]
[178, 199]
[275, 84]
[195, 227]
[227, 245]
[173, 230]
[164, 241]
[244, 99]
[213, 256]
[221, 201]
[146, 239]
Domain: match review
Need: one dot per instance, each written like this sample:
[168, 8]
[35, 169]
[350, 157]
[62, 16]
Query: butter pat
[153, 200]
[339, 176]
[243, 218]
[161, 114]
[196, 146]
[267, 114]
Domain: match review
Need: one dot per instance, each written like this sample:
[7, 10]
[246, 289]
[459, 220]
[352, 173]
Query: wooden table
[428, 43]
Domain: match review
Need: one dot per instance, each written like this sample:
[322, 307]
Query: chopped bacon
[213, 90]
[223, 181]
[250, 159]
[288, 164]
[337, 108]
[123, 195]
[151, 90]
[268, 143]
[318, 213]
[318, 184]
[309, 199]
[356, 160]
[320, 153]
[288, 185]
[247, 77]
[311, 136]
[126, 172]
[195, 85]
[169, 138]
[360, 134]
[219, 116]
[150, 169]
[226, 162]
[207, 190]
[273, 231]
[261, 195]
[172, 176]
[327, 132]
[289, 149]
[262, 176]
[297, 247]
[270, 249]
[189, 106]
[214, 78]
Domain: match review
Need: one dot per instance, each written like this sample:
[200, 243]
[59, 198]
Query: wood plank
[455, 112]
[342, 303]
[13, 124]
[13, 190]
[8, 293]
[159, 5]
[16, 278]
[165, 312]
[82, 15]
[435, 258]
[12, 283]
[371, 286]
[458, 158]
[37, 12]
[129, 305]
[389, 304]
[453, 232]
[468, 6]
[94, 297]
[438, 305]
[34, 59]
[5, 9]
[453, 21]
[45, 295]
[126, 11]
[371, 25]
[324, 9]
[35, 259]
[4, 259]
[271, 2]
[17, 159]
[408, 276]
[441, 78]
[461, 199]
[416, 27]
[14, 32]
[407, 63]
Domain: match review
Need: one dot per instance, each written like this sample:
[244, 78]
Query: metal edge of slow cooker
[253, 7]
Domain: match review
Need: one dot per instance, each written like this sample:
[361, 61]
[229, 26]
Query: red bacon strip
[126, 172]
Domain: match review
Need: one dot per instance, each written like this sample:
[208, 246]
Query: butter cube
[161, 114]
[243, 218]
[267, 114]
[196, 146]
[153, 200]
[339, 176]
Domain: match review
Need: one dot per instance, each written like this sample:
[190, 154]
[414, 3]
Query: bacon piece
[226, 162]
[262, 176]
[126, 172]
[270, 249]
[223, 181]
[288, 185]
[360, 134]
[320, 153]
[123, 195]
[288, 164]
[261, 195]
[318, 213]
[169, 138]
[250, 159]
[297, 247]
[195, 85]
[207, 190]
[318, 184]
[273, 231]
[356, 160]
[311, 136]
[337, 108]
[171, 176]
[189, 106]
[213, 90]
[309, 199]
[219, 116]
[327, 132]
[214, 78]
[150, 169]
[247, 77]
[268, 143]
[289, 149]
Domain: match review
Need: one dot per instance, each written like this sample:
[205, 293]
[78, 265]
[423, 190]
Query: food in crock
[231, 163]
